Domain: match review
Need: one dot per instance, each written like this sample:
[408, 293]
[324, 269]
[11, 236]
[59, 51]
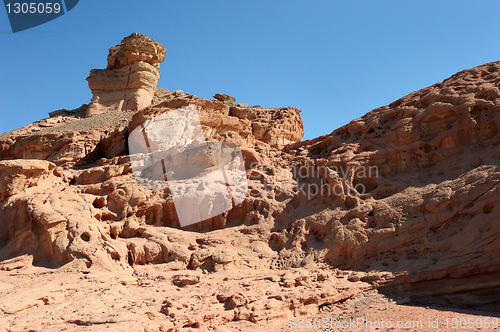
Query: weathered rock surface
[427, 209]
[129, 81]
[245, 126]
[404, 199]
[134, 48]
[21, 174]
[225, 98]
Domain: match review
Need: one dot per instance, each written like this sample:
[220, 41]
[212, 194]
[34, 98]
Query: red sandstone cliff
[405, 198]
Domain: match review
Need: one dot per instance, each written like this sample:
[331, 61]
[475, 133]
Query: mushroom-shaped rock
[129, 81]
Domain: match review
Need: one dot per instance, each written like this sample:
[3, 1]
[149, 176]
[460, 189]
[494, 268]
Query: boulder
[225, 98]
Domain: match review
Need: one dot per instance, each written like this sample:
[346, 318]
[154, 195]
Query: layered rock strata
[128, 83]
[404, 198]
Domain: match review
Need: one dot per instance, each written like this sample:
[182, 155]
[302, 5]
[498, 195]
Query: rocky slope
[431, 213]
[404, 199]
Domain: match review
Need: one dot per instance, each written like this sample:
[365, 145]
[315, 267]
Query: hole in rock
[99, 203]
[310, 301]
[85, 237]
[488, 208]
[372, 223]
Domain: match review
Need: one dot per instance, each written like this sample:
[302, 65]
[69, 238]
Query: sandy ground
[42, 299]
[376, 312]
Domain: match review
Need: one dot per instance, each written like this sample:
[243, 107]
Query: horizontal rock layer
[129, 88]
[244, 126]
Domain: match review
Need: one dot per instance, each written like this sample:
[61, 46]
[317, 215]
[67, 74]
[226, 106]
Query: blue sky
[334, 60]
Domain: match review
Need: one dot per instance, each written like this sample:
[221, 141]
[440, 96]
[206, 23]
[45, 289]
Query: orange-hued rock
[426, 170]
[20, 174]
[134, 48]
[129, 88]
[276, 127]
[129, 81]
[244, 126]
[404, 199]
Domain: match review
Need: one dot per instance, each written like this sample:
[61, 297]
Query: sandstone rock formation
[427, 211]
[404, 199]
[20, 174]
[129, 81]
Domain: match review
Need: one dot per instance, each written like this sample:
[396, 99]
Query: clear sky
[334, 60]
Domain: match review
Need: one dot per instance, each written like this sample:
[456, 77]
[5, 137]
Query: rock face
[129, 81]
[403, 199]
[245, 126]
[18, 175]
[423, 176]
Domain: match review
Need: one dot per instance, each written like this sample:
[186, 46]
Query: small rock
[354, 278]
[225, 98]
[182, 280]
